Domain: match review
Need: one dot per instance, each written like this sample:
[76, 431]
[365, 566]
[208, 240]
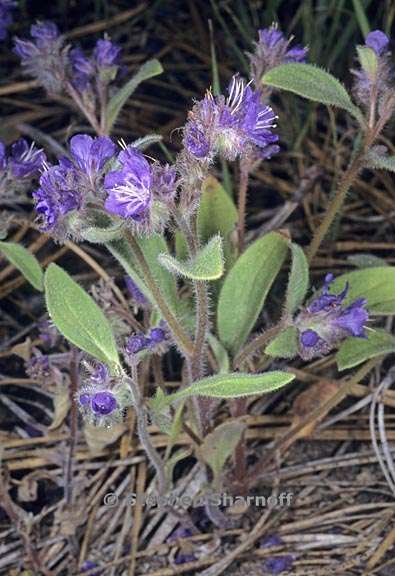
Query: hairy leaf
[376, 284]
[285, 345]
[245, 288]
[312, 83]
[208, 264]
[380, 161]
[25, 262]
[147, 70]
[354, 351]
[78, 317]
[234, 385]
[298, 282]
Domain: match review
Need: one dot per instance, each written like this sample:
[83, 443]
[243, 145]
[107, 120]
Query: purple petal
[378, 41]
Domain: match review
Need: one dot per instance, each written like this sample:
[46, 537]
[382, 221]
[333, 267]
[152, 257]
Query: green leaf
[380, 161]
[356, 350]
[219, 445]
[78, 317]
[368, 60]
[147, 70]
[298, 282]
[220, 353]
[285, 345]
[366, 260]
[217, 212]
[312, 83]
[146, 141]
[208, 264]
[234, 385]
[376, 284]
[245, 288]
[25, 262]
[97, 227]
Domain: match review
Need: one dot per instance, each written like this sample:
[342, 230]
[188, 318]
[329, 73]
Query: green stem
[181, 337]
[335, 205]
[257, 343]
[245, 167]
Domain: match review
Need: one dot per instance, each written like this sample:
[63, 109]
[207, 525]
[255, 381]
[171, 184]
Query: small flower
[44, 57]
[135, 292]
[38, 366]
[83, 69]
[25, 161]
[103, 403]
[277, 564]
[157, 335]
[6, 7]
[378, 41]
[57, 196]
[325, 322]
[106, 54]
[374, 81]
[271, 50]
[164, 181]
[91, 154]
[232, 126]
[129, 188]
[136, 343]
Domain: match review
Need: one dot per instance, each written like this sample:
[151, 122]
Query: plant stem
[181, 337]
[335, 205]
[245, 167]
[257, 343]
[144, 437]
[88, 115]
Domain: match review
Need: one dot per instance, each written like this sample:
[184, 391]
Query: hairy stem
[88, 115]
[257, 343]
[181, 337]
[144, 437]
[245, 167]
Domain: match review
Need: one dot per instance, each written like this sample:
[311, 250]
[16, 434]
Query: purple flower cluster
[74, 181]
[17, 169]
[271, 50]
[232, 126]
[138, 191]
[135, 292]
[102, 64]
[99, 402]
[376, 78]
[154, 341]
[23, 161]
[6, 7]
[44, 56]
[325, 322]
[58, 68]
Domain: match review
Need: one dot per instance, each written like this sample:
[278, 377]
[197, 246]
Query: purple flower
[378, 41]
[43, 57]
[25, 161]
[135, 292]
[231, 126]
[106, 54]
[164, 181]
[271, 50]
[57, 196]
[325, 322]
[276, 565]
[91, 154]
[185, 554]
[100, 374]
[129, 189]
[84, 399]
[6, 7]
[376, 78]
[103, 403]
[157, 335]
[38, 366]
[3, 156]
[136, 343]
[83, 69]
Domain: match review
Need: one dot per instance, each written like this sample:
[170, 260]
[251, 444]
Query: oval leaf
[147, 70]
[376, 284]
[245, 288]
[234, 385]
[208, 264]
[25, 262]
[354, 351]
[313, 83]
[298, 282]
[285, 345]
[217, 212]
[78, 317]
